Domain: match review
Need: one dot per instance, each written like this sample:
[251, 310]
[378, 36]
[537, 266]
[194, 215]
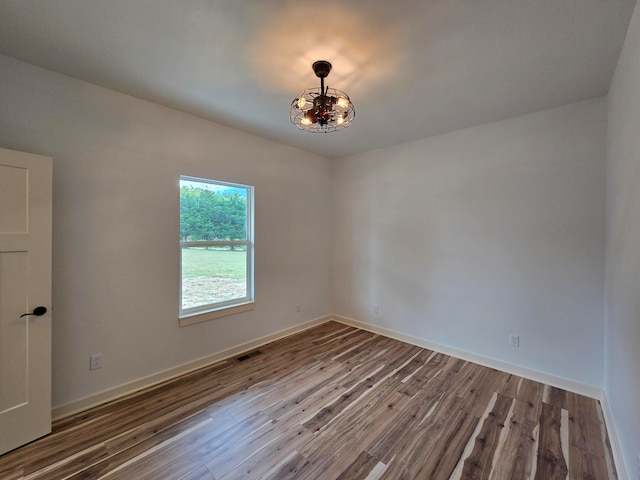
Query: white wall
[115, 218]
[466, 237]
[622, 325]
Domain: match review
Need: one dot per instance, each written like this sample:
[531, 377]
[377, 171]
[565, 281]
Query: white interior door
[25, 284]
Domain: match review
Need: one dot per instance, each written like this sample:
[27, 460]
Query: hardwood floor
[333, 402]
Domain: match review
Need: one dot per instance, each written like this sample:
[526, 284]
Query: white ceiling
[413, 68]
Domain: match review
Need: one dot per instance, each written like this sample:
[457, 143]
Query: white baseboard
[614, 439]
[151, 380]
[559, 382]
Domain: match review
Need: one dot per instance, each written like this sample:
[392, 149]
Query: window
[216, 240]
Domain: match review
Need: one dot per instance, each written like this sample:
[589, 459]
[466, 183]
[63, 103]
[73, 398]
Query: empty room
[319, 240]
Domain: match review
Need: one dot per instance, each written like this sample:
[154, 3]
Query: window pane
[212, 212]
[213, 275]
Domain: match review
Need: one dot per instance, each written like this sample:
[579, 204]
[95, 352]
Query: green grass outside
[198, 262]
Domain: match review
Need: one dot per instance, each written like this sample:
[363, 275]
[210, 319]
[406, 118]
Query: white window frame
[202, 313]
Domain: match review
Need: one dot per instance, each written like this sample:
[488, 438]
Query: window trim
[216, 313]
[192, 315]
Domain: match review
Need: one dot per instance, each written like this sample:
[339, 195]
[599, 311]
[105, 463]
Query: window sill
[213, 314]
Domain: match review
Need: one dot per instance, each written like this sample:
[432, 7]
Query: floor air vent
[249, 355]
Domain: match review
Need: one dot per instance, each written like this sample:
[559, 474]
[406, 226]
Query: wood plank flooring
[333, 402]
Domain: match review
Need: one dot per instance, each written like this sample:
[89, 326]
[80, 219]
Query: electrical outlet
[95, 361]
[376, 309]
[298, 307]
[514, 340]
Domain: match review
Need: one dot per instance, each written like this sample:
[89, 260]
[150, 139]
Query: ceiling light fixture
[322, 110]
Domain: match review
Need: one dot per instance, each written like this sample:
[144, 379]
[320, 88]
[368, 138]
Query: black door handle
[38, 312]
